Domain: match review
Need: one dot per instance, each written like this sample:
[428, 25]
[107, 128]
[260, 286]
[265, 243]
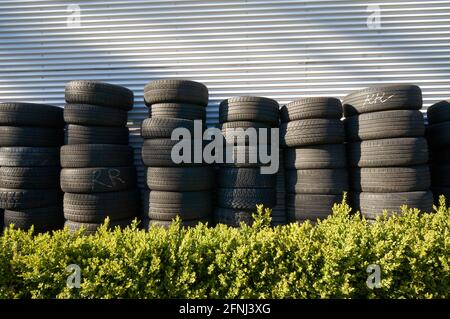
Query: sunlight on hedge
[325, 260]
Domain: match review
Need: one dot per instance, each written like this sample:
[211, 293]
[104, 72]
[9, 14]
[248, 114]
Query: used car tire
[178, 110]
[372, 205]
[163, 127]
[244, 156]
[87, 208]
[245, 177]
[385, 124]
[157, 153]
[97, 179]
[94, 115]
[43, 219]
[29, 156]
[311, 108]
[77, 134]
[382, 98]
[312, 132]
[18, 199]
[391, 179]
[439, 112]
[96, 155]
[317, 181]
[99, 93]
[181, 179]
[316, 156]
[388, 152]
[31, 114]
[302, 207]
[234, 132]
[246, 198]
[14, 136]
[249, 108]
[175, 91]
[186, 205]
[29, 177]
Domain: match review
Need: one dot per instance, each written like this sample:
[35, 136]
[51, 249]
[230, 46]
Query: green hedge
[326, 260]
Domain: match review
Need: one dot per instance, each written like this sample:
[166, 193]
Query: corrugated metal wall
[279, 49]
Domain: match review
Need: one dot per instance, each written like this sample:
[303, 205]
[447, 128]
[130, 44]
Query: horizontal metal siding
[279, 49]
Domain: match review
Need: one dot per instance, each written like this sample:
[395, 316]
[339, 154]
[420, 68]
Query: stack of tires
[98, 176]
[438, 135]
[30, 138]
[181, 189]
[241, 183]
[387, 151]
[315, 160]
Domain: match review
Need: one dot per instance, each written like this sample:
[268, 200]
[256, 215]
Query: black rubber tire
[178, 110]
[372, 205]
[91, 228]
[95, 115]
[97, 179]
[246, 198]
[99, 93]
[245, 178]
[17, 199]
[301, 207]
[163, 127]
[382, 98]
[232, 137]
[180, 179]
[250, 156]
[175, 91]
[232, 217]
[316, 156]
[31, 114]
[77, 134]
[30, 136]
[388, 152]
[390, 179]
[148, 223]
[440, 175]
[186, 205]
[87, 208]
[29, 156]
[317, 181]
[157, 153]
[439, 112]
[312, 132]
[29, 177]
[43, 219]
[311, 108]
[438, 135]
[249, 108]
[96, 155]
[386, 124]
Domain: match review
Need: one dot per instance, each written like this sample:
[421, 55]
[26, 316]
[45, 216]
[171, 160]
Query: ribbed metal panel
[279, 49]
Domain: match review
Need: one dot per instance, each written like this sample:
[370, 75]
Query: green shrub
[326, 260]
